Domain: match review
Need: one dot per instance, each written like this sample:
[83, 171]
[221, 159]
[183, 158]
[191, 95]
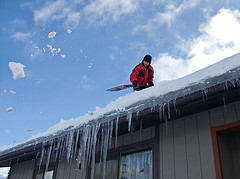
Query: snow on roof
[223, 71]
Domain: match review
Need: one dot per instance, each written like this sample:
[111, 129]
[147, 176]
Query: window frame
[130, 149]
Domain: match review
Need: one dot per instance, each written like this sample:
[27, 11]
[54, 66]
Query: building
[185, 128]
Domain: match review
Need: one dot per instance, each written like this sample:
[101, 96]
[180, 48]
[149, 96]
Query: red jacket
[142, 74]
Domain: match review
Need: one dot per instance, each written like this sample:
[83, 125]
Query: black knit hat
[148, 58]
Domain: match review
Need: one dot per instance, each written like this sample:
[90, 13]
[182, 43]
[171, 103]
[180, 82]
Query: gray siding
[22, 170]
[186, 144]
[185, 147]
[67, 170]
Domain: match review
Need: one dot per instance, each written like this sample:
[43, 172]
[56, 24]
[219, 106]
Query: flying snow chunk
[52, 35]
[69, 31]
[17, 70]
[11, 91]
[9, 109]
[63, 56]
[49, 46]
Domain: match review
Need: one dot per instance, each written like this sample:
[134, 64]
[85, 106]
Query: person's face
[145, 63]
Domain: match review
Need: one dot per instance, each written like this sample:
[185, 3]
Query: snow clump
[9, 109]
[52, 35]
[11, 91]
[17, 70]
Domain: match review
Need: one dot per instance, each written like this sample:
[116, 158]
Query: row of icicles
[97, 138]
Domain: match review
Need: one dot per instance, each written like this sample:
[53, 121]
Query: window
[136, 164]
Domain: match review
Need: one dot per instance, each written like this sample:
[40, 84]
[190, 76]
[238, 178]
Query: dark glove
[150, 83]
[136, 86]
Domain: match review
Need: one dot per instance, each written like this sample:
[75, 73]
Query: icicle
[152, 109]
[69, 144]
[38, 153]
[169, 110]
[116, 132]
[88, 149]
[106, 140]
[102, 143]
[81, 153]
[49, 156]
[72, 148]
[238, 81]
[94, 149]
[232, 82]
[153, 106]
[110, 139]
[62, 148]
[160, 111]
[98, 149]
[76, 143]
[129, 118]
[57, 149]
[164, 111]
[205, 91]
[137, 114]
[175, 105]
[90, 142]
[42, 155]
[224, 104]
[226, 85]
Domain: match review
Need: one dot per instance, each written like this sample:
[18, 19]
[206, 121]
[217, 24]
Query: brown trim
[216, 154]
[215, 131]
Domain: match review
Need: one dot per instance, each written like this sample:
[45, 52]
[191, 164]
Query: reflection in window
[47, 175]
[136, 164]
[111, 168]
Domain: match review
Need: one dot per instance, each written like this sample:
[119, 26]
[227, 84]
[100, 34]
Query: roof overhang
[217, 95]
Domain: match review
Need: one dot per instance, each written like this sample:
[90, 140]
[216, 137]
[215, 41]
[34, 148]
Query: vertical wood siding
[186, 145]
[22, 170]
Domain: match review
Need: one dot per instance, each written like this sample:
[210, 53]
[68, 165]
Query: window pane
[48, 174]
[136, 165]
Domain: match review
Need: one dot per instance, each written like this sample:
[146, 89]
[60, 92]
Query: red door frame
[215, 131]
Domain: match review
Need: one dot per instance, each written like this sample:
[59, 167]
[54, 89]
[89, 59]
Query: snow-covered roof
[223, 71]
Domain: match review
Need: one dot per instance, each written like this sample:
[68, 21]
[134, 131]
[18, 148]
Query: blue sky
[94, 46]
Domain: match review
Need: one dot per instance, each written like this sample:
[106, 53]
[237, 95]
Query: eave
[217, 95]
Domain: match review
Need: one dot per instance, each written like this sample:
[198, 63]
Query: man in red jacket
[142, 74]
